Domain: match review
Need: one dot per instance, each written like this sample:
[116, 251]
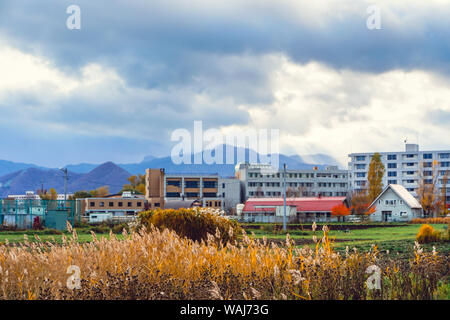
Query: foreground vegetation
[159, 264]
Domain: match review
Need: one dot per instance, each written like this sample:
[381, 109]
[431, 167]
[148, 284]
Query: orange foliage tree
[361, 204]
[339, 211]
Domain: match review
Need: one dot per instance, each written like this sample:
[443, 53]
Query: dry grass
[158, 264]
[441, 220]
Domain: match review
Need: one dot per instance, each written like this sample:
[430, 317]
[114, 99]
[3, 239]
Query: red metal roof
[316, 204]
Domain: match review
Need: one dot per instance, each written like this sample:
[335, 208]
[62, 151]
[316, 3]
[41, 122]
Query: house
[395, 203]
[305, 209]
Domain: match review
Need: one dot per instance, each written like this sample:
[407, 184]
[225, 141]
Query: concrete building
[395, 203]
[29, 195]
[307, 209]
[402, 167]
[258, 180]
[211, 190]
[101, 209]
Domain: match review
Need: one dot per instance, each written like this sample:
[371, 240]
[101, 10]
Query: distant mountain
[107, 174]
[32, 179]
[82, 167]
[10, 167]
[16, 178]
[292, 162]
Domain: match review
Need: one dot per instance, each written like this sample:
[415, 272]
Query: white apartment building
[402, 167]
[258, 180]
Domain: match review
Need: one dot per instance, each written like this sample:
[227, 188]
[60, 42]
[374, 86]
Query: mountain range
[16, 178]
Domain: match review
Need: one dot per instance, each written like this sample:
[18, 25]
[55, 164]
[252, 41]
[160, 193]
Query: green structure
[24, 214]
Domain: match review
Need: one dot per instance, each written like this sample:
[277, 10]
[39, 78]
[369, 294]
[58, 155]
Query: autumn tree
[375, 177]
[444, 189]
[339, 211]
[80, 195]
[100, 192]
[136, 184]
[361, 204]
[428, 191]
[51, 195]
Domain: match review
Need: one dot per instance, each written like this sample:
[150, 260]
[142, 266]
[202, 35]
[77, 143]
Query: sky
[116, 89]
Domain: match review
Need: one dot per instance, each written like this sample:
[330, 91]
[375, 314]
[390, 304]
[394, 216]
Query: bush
[431, 220]
[194, 224]
[427, 234]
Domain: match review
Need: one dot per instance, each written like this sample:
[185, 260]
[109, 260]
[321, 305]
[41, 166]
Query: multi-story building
[211, 190]
[402, 167]
[116, 205]
[259, 180]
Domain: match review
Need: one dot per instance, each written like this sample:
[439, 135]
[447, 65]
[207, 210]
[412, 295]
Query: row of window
[298, 175]
[409, 156]
[111, 204]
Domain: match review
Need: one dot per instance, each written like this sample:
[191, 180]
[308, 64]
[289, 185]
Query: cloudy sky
[137, 70]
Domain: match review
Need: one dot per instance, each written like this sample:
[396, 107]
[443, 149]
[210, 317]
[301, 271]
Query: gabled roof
[322, 204]
[403, 194]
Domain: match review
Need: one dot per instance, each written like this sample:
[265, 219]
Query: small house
[394, 204]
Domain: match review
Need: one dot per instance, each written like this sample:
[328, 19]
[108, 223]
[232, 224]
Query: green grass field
[398, 240]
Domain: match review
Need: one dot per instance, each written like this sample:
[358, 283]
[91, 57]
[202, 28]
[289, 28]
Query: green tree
[80, 195]
[375, 177]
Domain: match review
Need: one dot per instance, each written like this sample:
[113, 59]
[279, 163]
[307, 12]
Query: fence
[23, 213]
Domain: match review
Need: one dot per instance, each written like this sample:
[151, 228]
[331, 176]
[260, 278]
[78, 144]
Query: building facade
[211, 190]
[403, 167]
[395, 204]
[258, 180]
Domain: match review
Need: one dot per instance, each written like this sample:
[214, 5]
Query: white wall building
[258, 180]
[395, 203]
[402, 167]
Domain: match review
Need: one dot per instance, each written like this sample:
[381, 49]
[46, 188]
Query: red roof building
[298, 209]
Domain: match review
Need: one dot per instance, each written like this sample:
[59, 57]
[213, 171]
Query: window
[410, 172]
[92, 204]
[392, 173]
[428, 181]
[120, 204]
[410, 164]
[191, 184]
[209, 184]
[102, 204]
[410, 189]
[139, 204]
[130, 204]
[427, 164]
[360, 166]
[444, 155]
[192, 194]
[401, 201]
[409, 181]
[392, 165]
[428, 156]
[445, 164]
[209, 195]
[392, 157]
[223, 185]
[360, 158]
[174, 183]
[173, 194]
[392, 181]
[410, 155]
[391, 202]
[361, 174]
[157, 205]
[111, 204]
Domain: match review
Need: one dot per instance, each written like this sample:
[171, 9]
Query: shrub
[427, 234]
[431, 220]
[194, 224]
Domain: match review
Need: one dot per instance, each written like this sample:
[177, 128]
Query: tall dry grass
[439, 220]
[159, 264]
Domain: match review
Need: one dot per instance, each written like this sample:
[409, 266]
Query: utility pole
[65, 184]
[284, 196]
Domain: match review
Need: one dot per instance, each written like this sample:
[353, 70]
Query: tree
[80, 195]
[51, 195]
[361, 204]
[100, 192]
[136, 185]
[339, 211]
[375, 177]
[427, 191]
[444, 181]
